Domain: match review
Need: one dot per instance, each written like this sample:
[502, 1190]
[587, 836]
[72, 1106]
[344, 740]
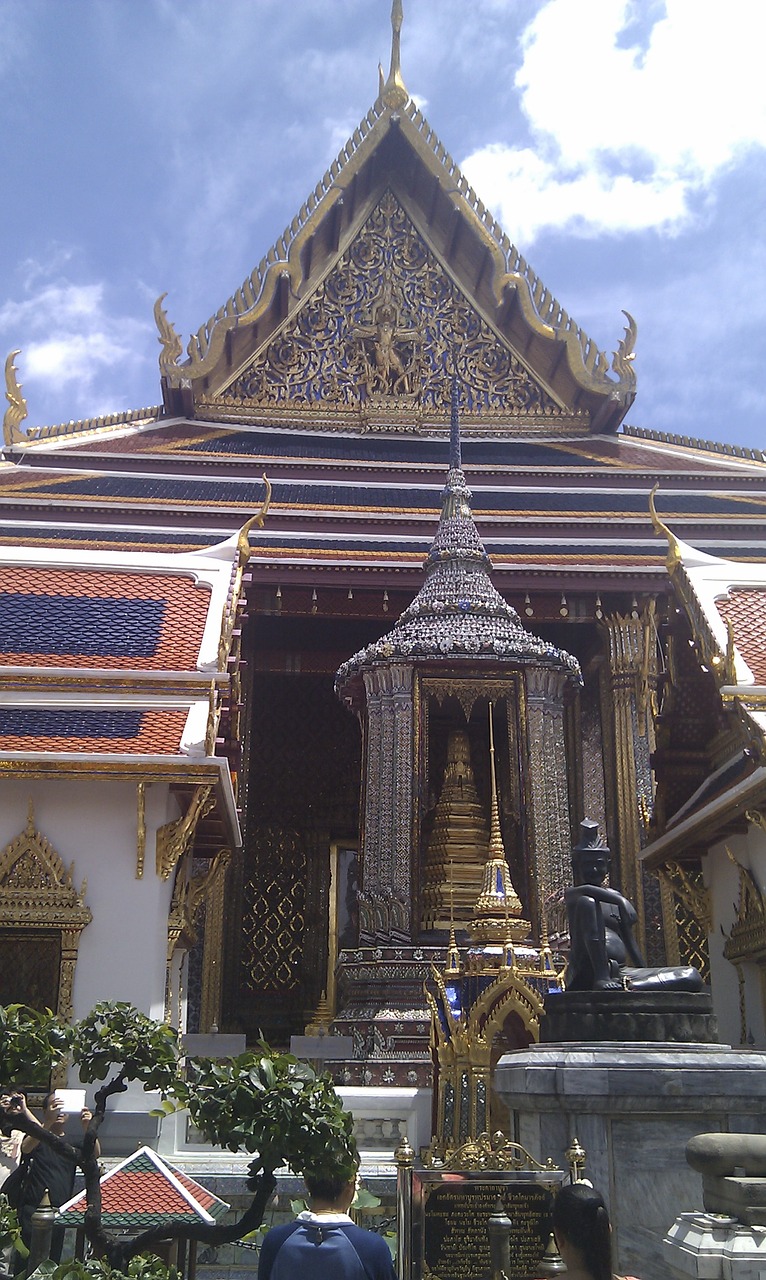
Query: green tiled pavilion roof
[142, 1192]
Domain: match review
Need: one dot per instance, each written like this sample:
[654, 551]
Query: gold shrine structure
[282, 719]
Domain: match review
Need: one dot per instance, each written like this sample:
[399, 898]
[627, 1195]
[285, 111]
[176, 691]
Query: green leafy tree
[32, 1043]
[10, 1231]
[265, 1103]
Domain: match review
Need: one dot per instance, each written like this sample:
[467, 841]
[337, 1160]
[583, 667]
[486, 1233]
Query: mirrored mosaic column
[385, 897]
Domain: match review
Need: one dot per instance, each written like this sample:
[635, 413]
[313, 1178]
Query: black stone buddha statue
[603, 953]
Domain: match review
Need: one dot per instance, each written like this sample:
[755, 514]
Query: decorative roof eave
[182, 771]
[278, 284]
[734, 451]
[699, 581]
[705, 826]
[16, 437]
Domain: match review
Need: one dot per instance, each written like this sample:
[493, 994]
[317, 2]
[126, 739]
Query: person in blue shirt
[323, 1243]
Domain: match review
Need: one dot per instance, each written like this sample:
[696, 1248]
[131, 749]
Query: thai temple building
[311, 671]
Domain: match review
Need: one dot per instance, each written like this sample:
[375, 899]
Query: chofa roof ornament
[393, 92]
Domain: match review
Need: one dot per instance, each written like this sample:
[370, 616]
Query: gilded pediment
[377, 340]
[32, 874]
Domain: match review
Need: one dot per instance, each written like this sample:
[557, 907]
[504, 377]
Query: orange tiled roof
[88, 617]
[745, 609]
[149, 732]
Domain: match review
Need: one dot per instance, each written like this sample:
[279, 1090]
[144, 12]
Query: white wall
[123, 950]
[722, 876]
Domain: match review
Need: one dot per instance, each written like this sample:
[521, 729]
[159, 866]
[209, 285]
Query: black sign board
[450, 1222]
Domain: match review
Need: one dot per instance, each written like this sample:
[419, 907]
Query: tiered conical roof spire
[458, 613]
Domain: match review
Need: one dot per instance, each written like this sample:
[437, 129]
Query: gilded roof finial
[168, 338]
[17, 405]
[623, 357]
[393, 92]
[255, 522]
[674, 557]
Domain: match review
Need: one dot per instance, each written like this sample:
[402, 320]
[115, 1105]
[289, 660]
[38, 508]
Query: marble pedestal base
[710, 1246]
[634, 1108]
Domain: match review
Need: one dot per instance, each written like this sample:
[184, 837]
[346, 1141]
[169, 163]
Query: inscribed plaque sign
[451, 1213]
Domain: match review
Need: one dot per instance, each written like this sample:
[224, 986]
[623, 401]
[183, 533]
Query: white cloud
[634, 111]
[69, 337]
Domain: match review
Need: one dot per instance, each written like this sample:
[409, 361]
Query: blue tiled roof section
[532, 501]
[79, 722]
[102, 627]
[133, 537]
[434, 452]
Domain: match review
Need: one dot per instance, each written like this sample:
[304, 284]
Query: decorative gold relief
[243, 556]
[492, 1152]
[470, 691]
[212, 719]
[174, 838]
[17, 405]
[37, 892]
[692, 892]
[212, 955]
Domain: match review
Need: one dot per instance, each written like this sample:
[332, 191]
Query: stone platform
[633, 1107]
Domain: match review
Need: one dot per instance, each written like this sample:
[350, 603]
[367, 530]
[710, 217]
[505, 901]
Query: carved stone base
[382, 1007]
[630, 1017]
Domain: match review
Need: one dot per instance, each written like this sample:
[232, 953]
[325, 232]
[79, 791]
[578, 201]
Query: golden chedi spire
[393, 92]
[497, 914]
[453, 867]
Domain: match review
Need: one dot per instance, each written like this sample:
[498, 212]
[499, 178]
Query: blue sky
[163, 145]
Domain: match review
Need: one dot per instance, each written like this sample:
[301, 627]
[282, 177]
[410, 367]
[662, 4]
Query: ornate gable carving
[747, 940]
[376, 342]
[33, 878]
[38, 892]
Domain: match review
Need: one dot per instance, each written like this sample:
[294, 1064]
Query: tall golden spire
[498, 907]
[393, 92]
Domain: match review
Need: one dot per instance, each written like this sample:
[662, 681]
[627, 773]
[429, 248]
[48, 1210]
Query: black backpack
[15, 1184]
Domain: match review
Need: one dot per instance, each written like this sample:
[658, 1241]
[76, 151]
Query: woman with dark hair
[583, 1233]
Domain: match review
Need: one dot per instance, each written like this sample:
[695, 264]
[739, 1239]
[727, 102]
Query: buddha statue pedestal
[629, 1017]
[633, 1107]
